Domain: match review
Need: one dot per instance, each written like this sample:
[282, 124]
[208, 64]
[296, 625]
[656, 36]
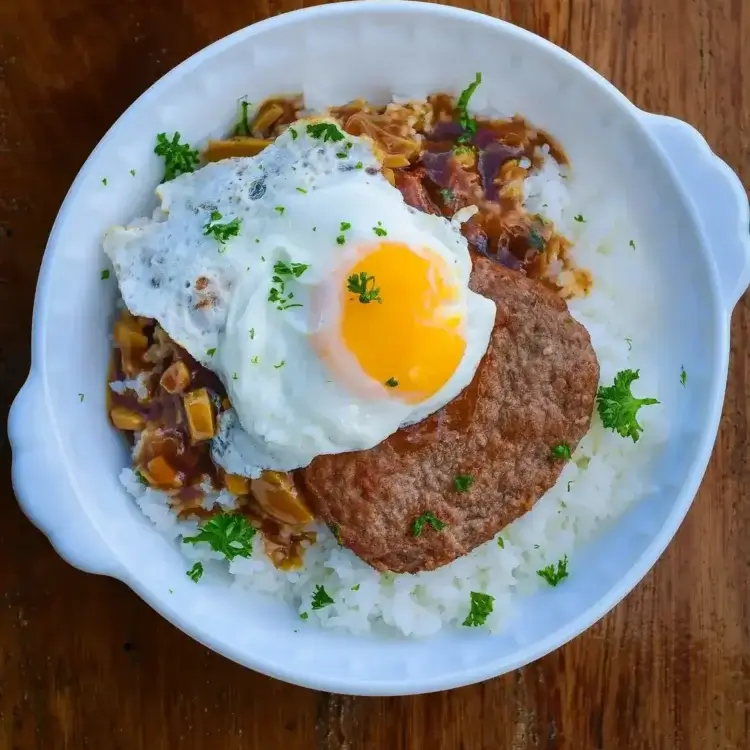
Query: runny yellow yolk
[412, 340]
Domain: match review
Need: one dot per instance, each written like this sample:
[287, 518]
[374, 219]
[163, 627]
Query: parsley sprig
[428, 518]
[278, 295]
[222, 233]
[553, 575]
[465, 120]
[364, 286]
[481, 608]
[227, 533]
[326, 131]
[320, 598]
[178, 157]
[243, 126]
[618, 407]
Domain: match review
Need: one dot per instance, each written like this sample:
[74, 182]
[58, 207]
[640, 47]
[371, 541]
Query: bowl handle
[51, 505]
[718, 197]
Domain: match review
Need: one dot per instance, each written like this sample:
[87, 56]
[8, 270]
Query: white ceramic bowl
[688, 206]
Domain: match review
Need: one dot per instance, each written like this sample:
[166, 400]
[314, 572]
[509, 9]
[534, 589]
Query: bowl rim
[527, 653]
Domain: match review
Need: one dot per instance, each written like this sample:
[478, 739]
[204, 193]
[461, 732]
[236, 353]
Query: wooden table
[85, 664]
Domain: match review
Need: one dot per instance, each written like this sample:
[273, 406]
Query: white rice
[608, 473]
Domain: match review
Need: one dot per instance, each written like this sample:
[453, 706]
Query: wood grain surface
[85, 664]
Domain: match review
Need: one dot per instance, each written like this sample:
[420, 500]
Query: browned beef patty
[534, 389]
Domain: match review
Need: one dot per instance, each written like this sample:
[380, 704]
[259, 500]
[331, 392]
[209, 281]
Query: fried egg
[333, 312]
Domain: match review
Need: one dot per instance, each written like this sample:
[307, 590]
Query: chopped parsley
[302, 190]
[304, 616]
[104, 181]
[465, 120]
[364, 286]
[227, 533]
[280, 210]
[178, 157]
[235, 376]
[359, 165]
[683, 376]
[252, 333]
[562, 450]
[355, 588]
[632, 244]
[341, 155]
[481, 607]
[105, 274]
[618, 407]
[320, 598]
[427, 518]
[579, 218]
[379, 231]
[462, 482]
[294, 133]
[277, 295]
[290, 269]
[222, 233]
[536, 240]
[553, 575]
[243, 126]
[340, 240]
[80, 397]
[447, 195]
[280, 365]
[345, 225]
[132, 172]
[210, 352]
[500, 542]
[326, 131]
[254, 360]
[392, 383]
[195, 572]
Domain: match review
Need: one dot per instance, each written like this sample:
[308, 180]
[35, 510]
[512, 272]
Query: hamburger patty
[534, 389]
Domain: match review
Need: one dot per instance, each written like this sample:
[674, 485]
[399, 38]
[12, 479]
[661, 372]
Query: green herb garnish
[560, 451]
[326, 131]
[379, 231]
[227, 533]
[629, 342]
[105, 274]
[104, 181]
[210, 352]
[553, 575]
[280, 365]
[632, 244]
[618, 407]
[132, 172]
[683, 376]
[359, 165]
[243, 125]
[280, 210]
[427, 518]
[302, 190]
[465, 120]
[304, 616]
[355, 588]
[254, 360]
[195, 572]
[80, 397]
[320, 598]
[294, 133]
[579, 218]
[500, 542]
[391, 382]
[481, 607]
[222, 233]
[252, 333]
[536, 240]
[462, 482]
[364, 286]
[178, 157]
[340, 240]
[277, 294]
[345, 225]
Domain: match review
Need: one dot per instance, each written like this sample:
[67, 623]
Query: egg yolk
[402, 319]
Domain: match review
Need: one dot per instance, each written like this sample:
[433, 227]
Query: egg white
[288, 405]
